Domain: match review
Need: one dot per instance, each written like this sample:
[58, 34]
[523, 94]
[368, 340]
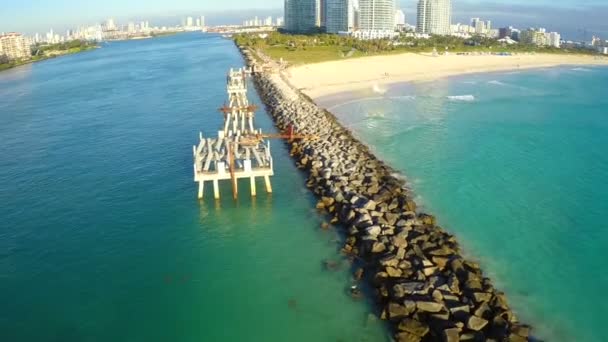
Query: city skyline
[583, 18]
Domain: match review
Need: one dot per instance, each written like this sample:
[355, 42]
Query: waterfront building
[434, 17]
[189, 22]
[399, 18]
[202, 18]
[540, 37]
[505, 32]
[337, 15]
[554, 39]
[268, 21]
[301, 15]
[14, 46]
[377, 15]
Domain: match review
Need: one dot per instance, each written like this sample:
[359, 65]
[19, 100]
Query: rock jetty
[424, 286]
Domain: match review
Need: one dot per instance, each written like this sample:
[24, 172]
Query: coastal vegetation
[41, 52]
[306, 49]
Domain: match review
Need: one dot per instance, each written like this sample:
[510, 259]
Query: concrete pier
[238, 151]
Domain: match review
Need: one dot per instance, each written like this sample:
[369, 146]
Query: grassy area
[307, 49]
[313, 54]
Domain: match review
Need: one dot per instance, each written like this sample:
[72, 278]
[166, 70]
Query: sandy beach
[328, 78]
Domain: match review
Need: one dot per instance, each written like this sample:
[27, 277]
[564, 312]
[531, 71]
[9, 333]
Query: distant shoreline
[335, 77]
[8, 66]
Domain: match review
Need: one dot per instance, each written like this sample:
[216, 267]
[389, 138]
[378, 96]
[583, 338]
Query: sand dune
[328, 78]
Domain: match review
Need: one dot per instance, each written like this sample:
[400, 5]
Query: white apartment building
[377, 15]
[434, 17]
[14, 46]
[399, 18]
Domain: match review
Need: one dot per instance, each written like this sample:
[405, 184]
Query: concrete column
[252, 181]
[268, 186]
[216, 189]
[201, 186]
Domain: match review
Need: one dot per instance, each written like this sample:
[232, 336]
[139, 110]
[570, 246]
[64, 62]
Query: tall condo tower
[377, 15]
[434, 16]
[301, 15]
[337, 15]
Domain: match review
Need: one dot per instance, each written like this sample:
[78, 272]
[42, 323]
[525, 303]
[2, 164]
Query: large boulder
[428, 306]
[378, 247]
[397, 311]
[413, 326]
[373, 230]
[412, 288]
[451, 335]
[475, 323]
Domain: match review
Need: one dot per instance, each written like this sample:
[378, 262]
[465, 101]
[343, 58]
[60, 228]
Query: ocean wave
[496, 82]
[378, 90]
[582, 69]
[462, 98]
[405, 97]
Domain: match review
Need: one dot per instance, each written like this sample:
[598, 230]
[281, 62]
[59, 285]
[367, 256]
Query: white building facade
[377, 15]
[14, 46]
[434, 17]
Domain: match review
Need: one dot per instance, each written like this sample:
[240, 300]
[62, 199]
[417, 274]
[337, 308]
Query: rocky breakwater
[425, 287]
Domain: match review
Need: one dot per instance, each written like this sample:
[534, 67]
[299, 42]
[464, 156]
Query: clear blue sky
[40, 15]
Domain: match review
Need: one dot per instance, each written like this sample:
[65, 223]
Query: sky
[572, 17]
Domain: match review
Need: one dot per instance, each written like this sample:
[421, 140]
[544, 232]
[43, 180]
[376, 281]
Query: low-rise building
[372, 34]
[15, 46]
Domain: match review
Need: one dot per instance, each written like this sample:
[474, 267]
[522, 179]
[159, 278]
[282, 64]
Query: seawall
[423, 285]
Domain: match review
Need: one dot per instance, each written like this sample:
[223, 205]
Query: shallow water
[102, 238]
[515, 165]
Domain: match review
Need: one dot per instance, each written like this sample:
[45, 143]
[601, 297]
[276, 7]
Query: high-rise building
[189, 22]
[434, 16]
[110, 25]
[377, 15]
[399, 18]
[202, 18]
[14, 46]
[336, 19]
[280, 21]
[554, 39]
[505, 32]
[301, 15]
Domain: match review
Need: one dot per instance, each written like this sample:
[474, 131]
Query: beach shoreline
[375, 73]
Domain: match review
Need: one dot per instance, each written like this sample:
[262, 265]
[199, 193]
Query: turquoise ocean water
[516, 165]
[101, 235]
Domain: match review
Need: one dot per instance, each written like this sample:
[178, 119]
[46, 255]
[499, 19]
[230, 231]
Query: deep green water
[516, 165]
[101, 235]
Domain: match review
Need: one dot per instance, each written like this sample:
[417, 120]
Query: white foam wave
[378, 90]
[582, 69]
[462, 98]
[496, 82]
[405, 97]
